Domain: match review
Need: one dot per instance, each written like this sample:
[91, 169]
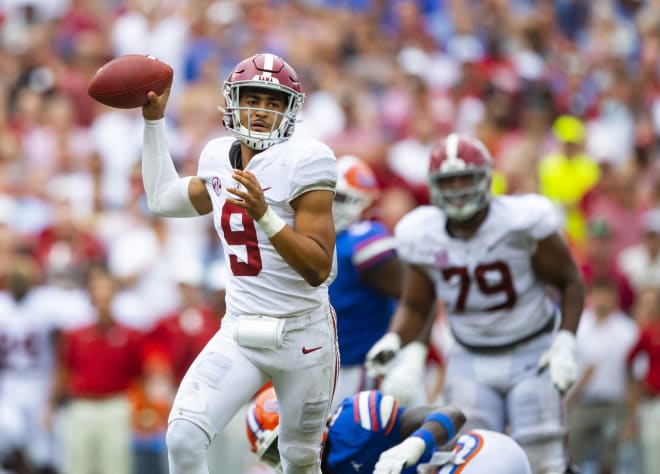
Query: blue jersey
[362, 427]
[363, 313]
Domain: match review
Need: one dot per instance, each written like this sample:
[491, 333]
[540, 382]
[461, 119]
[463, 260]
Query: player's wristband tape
[426, 436]
[445, 421]
[271, 223]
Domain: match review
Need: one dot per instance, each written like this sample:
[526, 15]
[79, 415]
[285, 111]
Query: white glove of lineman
[381, 353]
[404, 454]
[403, 380]
[561, 361]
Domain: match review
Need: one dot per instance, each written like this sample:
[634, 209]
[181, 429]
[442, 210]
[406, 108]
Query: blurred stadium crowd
[565, 94]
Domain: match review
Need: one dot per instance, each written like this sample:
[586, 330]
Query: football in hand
[125, 81]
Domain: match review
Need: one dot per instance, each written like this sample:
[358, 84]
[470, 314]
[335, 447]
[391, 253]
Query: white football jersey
[491, 292]
[26, 329]
[261, 281]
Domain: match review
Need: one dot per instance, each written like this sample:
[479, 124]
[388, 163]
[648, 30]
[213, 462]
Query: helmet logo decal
[272, 406]
[266, 77]
[359, 178]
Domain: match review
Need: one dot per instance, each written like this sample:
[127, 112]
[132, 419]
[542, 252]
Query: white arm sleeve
[167, 193]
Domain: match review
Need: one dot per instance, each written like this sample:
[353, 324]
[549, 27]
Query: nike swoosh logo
[266, 188]
[307, 351]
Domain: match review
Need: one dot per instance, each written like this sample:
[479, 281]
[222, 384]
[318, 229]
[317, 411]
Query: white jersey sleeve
[260, 280]
[492, 294]
[534, 213]
[316, 169]
[418, 226]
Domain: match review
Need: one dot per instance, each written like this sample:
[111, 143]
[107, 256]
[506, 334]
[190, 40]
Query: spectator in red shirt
[646, 399]
[98, 364]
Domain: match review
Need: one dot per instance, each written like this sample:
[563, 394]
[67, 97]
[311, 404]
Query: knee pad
[301, 460]
[535, 410]
[186, 446]
[546, 456]
[13, 429]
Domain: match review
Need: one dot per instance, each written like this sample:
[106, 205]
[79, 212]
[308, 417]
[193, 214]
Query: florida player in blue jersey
[369, 273]
[371, 432]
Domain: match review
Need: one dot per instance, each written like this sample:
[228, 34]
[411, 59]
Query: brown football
[124, 81]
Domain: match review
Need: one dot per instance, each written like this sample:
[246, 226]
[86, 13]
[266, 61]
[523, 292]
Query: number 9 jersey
[492, 295]
[261, 278]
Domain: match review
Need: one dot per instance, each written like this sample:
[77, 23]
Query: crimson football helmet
[356, 190]
[464, 160]
[262, 423]
[265, 71]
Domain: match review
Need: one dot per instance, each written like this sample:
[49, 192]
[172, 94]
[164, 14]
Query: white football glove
[404, 454]
[381, 353]
[403, 380]
[560, 359]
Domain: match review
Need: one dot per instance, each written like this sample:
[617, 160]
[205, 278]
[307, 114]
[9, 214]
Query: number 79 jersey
[261, 282]
[492, 295]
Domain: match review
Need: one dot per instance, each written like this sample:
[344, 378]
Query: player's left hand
[560, 359]
[404, 454]
[249, 194]
[381, 353]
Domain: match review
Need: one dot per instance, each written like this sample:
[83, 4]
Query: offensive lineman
[491, 262]
[271, 200]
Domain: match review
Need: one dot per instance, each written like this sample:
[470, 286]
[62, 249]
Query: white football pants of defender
[224, 376]
[23, 405]
[502, 390]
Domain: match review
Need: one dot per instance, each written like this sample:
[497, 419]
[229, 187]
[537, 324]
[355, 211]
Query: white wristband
[271, 223]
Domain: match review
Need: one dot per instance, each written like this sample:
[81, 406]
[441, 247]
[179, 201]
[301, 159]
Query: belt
[546, 328]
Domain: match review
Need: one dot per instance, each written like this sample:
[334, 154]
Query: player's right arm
[415, 306]
[385, 277]
[167, 193]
